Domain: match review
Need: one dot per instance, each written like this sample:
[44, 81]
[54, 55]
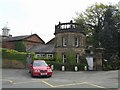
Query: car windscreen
[41, 64]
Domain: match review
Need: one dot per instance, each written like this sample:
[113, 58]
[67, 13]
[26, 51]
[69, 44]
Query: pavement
[20, 78]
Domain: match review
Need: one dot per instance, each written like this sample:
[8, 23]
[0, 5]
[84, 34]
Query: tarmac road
[20, 78]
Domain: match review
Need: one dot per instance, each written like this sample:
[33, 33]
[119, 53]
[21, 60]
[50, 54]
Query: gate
[28, 60]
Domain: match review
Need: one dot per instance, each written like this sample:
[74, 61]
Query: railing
[67, 25]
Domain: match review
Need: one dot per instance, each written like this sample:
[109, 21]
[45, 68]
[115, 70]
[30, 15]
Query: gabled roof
[18, 38]
[49, 48]
[52, 41]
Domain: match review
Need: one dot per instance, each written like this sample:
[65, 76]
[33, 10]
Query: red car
[40, 68]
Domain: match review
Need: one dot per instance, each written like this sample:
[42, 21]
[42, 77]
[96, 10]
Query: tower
[69, 41]
[5, 31]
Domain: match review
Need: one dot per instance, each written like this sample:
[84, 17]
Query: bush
[14, 56]
[42, 58]
[12, 64]
[68, 67]
[20, 46]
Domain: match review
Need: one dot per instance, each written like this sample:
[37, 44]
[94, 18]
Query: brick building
[69, 37]
[28, 40]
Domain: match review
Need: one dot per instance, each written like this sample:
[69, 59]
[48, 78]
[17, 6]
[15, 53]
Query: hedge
[9, 54]
[68, 67]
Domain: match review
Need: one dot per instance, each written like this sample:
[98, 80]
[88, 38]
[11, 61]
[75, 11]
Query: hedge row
[68, 67]
[9, 54]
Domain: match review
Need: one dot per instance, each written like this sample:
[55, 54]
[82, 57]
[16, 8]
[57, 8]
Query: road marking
[39, 79]
[70, 84]
[7, 80]
[94, 85]
[26, 82]
[47, 83]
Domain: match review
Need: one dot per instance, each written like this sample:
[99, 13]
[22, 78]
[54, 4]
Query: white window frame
[64, 41]
[77, 58]
[40, 55]
[49, 55]
[76, 42]
[64, 58]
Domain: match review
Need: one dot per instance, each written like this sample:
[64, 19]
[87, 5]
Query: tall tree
[102, 23]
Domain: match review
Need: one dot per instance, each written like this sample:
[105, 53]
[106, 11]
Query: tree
[20, 46]
[102, 23]
[92, 19]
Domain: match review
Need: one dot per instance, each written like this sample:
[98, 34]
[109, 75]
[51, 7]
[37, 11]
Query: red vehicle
[40, 68]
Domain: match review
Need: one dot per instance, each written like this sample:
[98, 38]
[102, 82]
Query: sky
[26, 17]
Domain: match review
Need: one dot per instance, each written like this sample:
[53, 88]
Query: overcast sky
[40, 16]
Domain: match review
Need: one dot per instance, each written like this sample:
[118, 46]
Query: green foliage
[71, 57]
[101, 23]
[13, 55]
[68, 67]
[57, 66]
[58, 58]
[42, 58]
[20, 46]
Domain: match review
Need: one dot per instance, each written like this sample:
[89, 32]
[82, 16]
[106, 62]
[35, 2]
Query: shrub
[42, 58]
[20, 46]
[14, 56]
[12, 64]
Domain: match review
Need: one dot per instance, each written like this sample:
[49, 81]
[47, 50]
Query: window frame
[64, 41]
[77, 58]
[76, 42]
[64, 58]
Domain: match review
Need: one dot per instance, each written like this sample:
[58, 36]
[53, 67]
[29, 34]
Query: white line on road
[94, 85]
[26, 82]
[7, 80]
[70, 84]
[47, 83]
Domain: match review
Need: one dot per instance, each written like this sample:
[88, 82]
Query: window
[77, 58]
[42, 55]
[64, 41]
[64, 58]
[76, 41]
[49, 55]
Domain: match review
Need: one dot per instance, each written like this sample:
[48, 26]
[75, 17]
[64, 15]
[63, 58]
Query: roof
[49, 48]
[18, 38]
[52, 41]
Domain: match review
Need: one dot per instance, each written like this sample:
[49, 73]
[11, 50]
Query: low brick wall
[12, 64]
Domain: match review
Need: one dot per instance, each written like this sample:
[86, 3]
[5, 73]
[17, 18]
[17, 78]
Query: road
[20, 78]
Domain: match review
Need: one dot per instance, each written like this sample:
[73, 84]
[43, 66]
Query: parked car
[40, 68]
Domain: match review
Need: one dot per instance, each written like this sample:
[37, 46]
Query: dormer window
[64, 41]
[76, 41]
